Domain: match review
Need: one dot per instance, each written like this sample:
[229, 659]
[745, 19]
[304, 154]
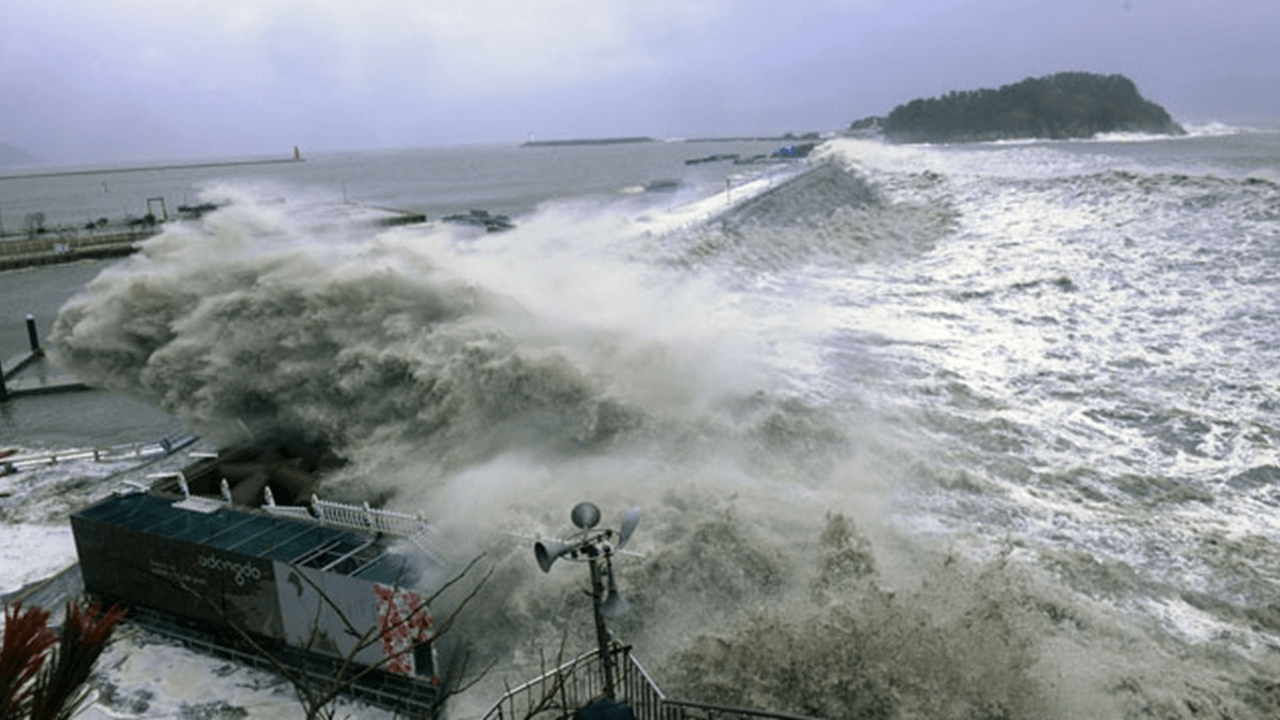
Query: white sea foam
[1214, 129]
[33, 552]
[1037, 377]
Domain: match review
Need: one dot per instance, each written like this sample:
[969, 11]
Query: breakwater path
[141, 168]
[68, 244]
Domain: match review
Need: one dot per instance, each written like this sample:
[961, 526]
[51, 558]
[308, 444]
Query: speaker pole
[602, 633]
[595, 547]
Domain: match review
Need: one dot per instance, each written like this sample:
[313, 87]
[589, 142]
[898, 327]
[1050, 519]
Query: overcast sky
[94, 80]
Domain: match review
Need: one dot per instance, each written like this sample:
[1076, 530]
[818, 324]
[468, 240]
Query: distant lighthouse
[296, 155]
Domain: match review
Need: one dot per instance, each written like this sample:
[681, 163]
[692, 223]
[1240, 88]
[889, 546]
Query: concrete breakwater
[68, 244]
[100, 240]
[143, 168]
[37, 244]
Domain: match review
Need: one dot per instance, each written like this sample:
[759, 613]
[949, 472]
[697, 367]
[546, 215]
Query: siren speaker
[548, 553]
[614, 605]
[630, 521]
[585, 515]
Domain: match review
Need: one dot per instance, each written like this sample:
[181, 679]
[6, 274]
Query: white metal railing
[555, 693]
[294, 511]
[363, 518]
[115, 453]
[413, 528]
[560, 692]
[577, 683]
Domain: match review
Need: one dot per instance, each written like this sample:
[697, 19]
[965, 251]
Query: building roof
[257, 534]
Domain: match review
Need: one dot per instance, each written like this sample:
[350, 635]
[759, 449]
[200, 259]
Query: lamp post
[594, 547]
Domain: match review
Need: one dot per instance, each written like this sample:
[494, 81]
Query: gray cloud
[102, 81]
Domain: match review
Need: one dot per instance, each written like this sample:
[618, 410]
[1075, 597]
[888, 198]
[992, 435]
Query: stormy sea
[973, 431]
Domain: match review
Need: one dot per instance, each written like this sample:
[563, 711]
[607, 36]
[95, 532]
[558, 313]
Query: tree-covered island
[1060, 106]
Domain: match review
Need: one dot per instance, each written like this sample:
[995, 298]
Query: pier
[12, 386]
[69, 244]
[44, 246]
[587, 141]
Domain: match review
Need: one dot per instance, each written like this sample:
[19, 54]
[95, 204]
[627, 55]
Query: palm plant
[42, 676]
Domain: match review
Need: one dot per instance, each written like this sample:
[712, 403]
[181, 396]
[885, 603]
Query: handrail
[363, 518]
[546, 698]
[166, 445]
[575, 684]
[713, 711]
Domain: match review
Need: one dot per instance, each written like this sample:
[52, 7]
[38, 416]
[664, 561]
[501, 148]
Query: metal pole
[33, 336]
[602, 633]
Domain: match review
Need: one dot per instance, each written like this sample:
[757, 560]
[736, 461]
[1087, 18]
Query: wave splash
[476, 381]
[246, 324]
[830, 214]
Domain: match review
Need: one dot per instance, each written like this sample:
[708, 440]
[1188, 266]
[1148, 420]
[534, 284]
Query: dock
[28, 374]
[46, 246]
[68, 245]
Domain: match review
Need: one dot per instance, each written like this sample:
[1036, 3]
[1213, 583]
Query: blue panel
[268, 543]
[232, 536]
[310, 540]
[391, 570]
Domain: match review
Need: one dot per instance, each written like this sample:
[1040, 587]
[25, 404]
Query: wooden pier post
[33, 336]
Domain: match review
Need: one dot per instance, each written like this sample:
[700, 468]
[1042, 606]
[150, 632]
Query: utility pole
[602, 632]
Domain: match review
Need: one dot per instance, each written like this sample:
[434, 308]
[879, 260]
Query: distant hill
[1060, 106]
[12, 156]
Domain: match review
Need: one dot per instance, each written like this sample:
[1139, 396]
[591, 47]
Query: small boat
[195, 211]
[711, 158]
[481, 218]
[662, 186]
[795, 151]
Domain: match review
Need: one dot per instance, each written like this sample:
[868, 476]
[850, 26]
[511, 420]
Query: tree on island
[1061, 106]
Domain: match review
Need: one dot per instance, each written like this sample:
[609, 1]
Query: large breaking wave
[493, 382]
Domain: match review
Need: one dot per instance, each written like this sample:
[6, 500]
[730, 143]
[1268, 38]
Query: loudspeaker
[549, 553]
[614, 605]
[585, 515]
[630, 520]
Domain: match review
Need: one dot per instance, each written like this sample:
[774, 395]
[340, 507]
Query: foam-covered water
[981, 431]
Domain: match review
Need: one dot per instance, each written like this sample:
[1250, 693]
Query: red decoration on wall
[405, 622]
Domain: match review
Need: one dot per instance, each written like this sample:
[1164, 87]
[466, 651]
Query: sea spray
[494, 382]
[830, 216]
[488, 390]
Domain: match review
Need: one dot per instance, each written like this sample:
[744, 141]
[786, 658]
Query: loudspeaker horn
[614, 605]
[630, 520]
[548, 553]
[585, 515]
